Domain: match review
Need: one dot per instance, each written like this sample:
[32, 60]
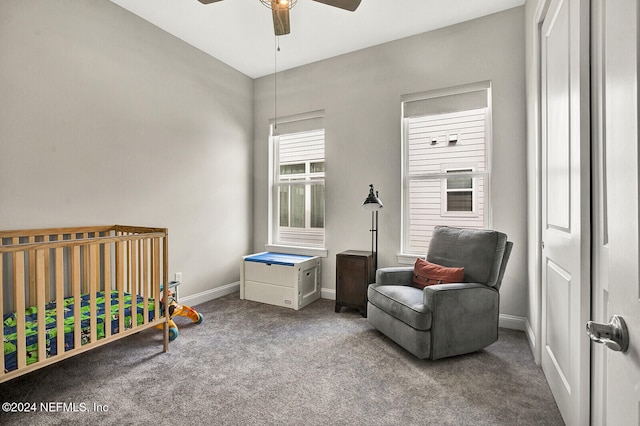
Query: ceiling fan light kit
[280, 13]
[279, 4]
[280, 10]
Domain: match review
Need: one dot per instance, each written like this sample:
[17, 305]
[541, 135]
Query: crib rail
[48, 265]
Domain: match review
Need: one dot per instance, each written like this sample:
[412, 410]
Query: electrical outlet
[178, 277]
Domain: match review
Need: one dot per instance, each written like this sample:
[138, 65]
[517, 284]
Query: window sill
[304, 251]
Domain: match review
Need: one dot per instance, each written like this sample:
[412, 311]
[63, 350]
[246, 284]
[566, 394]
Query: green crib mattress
[69, 306]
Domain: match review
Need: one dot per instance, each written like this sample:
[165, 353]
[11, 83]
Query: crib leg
[170, 332]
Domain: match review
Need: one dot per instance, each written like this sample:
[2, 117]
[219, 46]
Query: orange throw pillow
[427, 273]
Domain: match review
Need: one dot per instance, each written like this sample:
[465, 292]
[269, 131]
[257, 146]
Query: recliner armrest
[399, 275]
[467, 296]
[464, 317]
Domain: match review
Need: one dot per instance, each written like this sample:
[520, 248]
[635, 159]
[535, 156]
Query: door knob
[614, 335]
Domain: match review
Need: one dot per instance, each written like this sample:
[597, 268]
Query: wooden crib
[64, 291]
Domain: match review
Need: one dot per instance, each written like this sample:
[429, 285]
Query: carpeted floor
[255, 364]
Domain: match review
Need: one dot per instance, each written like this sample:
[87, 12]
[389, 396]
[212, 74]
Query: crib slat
[85, 261]
[106, 259]
[18, 304]
[40, 257]
[133, 276]
[47, 272]
[94, 277]
[120, 282]
[59, 285]
[1, 310]
[155, 280]
[75, 285]
[32, 273]
[145, 280]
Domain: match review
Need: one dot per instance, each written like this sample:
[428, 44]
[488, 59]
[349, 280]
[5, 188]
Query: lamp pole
[373, 203]
[374, 230]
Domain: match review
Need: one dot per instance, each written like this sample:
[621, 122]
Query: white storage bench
[288, 280]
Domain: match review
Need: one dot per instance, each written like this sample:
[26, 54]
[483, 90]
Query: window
[301, 197]
[298, 196]
[459, 192]
[445, 162]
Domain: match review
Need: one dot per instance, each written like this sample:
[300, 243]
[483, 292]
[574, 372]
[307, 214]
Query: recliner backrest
[483, 253]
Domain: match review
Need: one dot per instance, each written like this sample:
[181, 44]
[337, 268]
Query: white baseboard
[512, 322]
[328, 293]
[531, 337]
[214, 293]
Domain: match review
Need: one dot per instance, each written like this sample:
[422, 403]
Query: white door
[565, 357]
[616, 374]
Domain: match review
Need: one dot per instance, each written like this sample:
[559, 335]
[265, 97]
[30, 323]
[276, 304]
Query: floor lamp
[373, 203]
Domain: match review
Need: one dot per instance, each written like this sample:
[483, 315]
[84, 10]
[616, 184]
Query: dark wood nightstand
[355, 270]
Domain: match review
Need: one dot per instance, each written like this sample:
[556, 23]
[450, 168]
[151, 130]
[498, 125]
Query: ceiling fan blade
[208, 1]
[350, 5]
[280, 12]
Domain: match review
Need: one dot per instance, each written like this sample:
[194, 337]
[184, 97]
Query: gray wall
[360, 93]
[107, 119]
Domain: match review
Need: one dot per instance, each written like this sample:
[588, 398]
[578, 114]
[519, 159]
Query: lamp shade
[372, 202]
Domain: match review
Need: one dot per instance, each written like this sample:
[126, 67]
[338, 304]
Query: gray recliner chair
[444, 320]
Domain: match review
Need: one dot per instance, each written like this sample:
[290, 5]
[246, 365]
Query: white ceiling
[240, 32]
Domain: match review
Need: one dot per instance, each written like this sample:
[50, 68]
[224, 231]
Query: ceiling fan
[280, 10]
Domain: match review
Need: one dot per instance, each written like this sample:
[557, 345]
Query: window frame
[468, 170]
[407, 255]
[301, 123]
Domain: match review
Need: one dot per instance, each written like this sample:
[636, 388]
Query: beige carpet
[255, 364]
